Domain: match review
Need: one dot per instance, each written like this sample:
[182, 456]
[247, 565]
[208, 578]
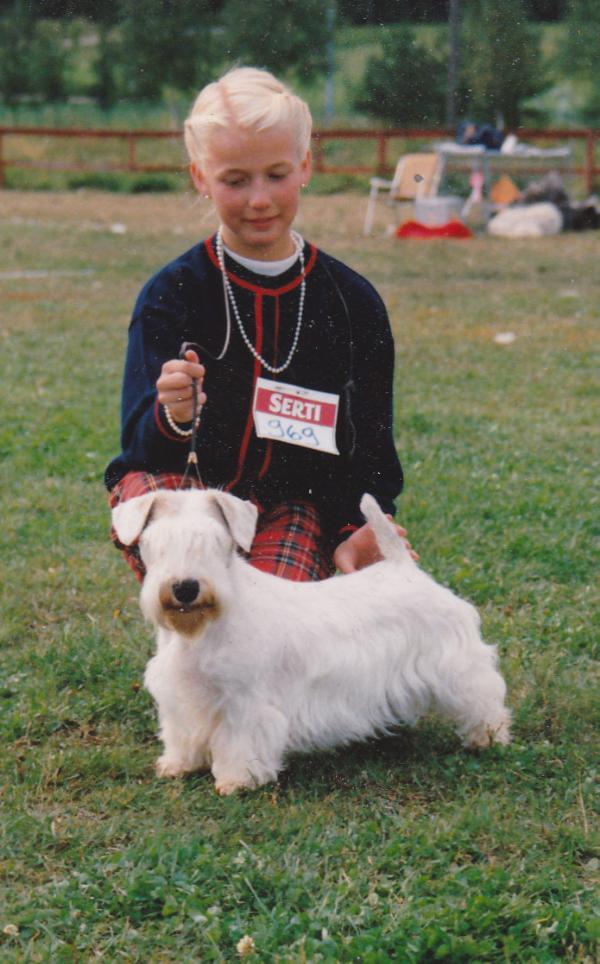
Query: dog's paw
[169, 767]
[484, 735]
[226, 787]
[502, 733]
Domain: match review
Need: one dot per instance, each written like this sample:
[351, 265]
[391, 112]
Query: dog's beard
[187, 618]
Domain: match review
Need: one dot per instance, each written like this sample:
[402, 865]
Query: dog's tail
[391, 545]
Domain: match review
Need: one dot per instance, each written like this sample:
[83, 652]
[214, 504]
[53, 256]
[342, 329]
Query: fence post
[589, 161]
[318, 154]
[131, 151]
[381, 152]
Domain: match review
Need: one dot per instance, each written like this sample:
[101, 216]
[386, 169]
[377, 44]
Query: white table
[519, 158]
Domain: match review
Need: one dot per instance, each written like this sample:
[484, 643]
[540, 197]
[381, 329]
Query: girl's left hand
[174, 385]
[361, 549]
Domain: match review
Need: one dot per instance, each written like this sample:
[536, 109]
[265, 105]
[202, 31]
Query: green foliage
[405, 84]
[142, 49]
[47, 59]
[106, 86]
[500, 61]
[165, 43]
[580, 54]
[15, 36]
[162, 51]
[32, 57]
[401, 11]
[127, 183]
[287, 38]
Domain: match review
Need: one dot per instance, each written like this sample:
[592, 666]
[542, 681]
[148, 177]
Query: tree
[165, 43]
[16, 32]
[581, 49]
[453, 61]
[501, 60]
[48, 61]
[33, 58]
[106, 86]
[547, 9]
[580, 54]
[405, 84]
[430, 11]
[287, 38]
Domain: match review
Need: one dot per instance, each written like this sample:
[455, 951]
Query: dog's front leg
[185, 749]
[185, 717]
[248, 749]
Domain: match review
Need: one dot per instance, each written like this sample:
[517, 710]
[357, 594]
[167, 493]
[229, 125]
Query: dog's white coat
[258, 667]
[527, 221]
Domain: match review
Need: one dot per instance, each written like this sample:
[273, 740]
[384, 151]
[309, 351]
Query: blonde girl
[294, 366]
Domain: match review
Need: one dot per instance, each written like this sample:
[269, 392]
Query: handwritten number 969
[305, 435]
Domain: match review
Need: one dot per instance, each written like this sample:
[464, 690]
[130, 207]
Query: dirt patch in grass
[184, 214]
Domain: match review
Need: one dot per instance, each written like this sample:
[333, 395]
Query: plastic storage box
[435, 211]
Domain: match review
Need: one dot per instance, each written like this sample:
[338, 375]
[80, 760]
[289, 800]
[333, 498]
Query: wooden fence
[583, 163]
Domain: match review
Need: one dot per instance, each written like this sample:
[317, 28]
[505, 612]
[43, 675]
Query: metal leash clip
[192, 459]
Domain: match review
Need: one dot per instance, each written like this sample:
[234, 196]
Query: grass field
[406, 849]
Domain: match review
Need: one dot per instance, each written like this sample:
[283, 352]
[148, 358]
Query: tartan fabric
[288, 543]
[139, 483]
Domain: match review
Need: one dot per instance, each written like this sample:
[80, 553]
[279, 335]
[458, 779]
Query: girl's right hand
[174, 386]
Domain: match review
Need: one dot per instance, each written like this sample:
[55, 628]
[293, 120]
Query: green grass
[405, 849]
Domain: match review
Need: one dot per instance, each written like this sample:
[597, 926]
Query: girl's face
[254, 181]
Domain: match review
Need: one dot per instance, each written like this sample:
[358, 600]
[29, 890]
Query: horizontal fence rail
[382, 140]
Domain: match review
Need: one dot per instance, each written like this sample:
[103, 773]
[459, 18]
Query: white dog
[526, 221]
[251, 667]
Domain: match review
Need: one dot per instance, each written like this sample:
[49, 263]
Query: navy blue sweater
[345, 347]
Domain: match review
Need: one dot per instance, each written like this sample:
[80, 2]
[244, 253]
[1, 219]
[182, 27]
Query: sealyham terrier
[251, 667]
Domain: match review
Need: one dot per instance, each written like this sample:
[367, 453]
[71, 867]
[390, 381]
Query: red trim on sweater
[276, 331]
[258, 289]
[269, 448]
[260, 292]
[258, 315]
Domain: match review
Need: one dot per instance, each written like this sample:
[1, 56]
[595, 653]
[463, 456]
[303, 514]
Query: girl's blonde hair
[249, 98]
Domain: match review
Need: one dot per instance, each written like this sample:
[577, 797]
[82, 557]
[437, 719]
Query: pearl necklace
[229, 298]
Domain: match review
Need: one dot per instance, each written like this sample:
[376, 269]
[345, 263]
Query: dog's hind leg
[473, 699]
[248, 751]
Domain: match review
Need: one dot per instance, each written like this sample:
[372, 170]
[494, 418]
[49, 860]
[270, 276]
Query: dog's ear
[240, 517]
[129, 518]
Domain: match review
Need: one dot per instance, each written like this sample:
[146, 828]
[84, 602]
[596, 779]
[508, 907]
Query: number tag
[298, 416]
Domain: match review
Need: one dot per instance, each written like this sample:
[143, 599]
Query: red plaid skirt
[288, 541]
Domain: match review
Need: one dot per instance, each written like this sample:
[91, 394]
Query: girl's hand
[361, 549]
[174, 386]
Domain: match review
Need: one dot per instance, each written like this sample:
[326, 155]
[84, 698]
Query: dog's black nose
[185, 592]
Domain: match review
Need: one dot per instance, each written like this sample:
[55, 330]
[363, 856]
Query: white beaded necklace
[229, 298]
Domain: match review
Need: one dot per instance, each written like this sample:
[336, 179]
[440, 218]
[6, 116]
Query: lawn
[408, 848]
